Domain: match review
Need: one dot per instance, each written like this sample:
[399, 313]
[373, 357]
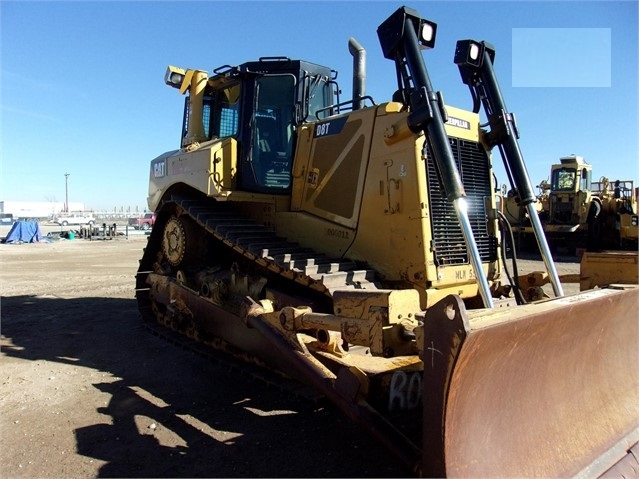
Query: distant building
[36, 209]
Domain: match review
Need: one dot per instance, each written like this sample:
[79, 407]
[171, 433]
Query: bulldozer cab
[570, 190]
[259, 104]
[572, 174]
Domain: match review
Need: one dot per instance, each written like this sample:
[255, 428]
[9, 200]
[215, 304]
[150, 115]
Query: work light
[427, 33]
[468, 53]
[174, 76]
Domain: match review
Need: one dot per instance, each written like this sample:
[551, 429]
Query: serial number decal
[458, 122]
[180, 166]
[337, 233]
[159, 169]
[331, 127]
[461, 275]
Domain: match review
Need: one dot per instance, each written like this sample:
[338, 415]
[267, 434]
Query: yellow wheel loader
[356, 247]
[577, 212]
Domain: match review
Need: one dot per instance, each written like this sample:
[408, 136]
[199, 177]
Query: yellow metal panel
[336, 169]
[209, 168]
[629, 229]
[317, 233]
[393, 229]
[224, 166]
[608, 267]
[300, 165]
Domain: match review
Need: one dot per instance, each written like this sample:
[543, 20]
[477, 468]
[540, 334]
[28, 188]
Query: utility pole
[66, 192]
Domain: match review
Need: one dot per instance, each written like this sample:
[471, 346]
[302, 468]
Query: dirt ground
[86, 391]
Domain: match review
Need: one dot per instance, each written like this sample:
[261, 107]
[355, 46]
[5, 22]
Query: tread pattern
[261, 245]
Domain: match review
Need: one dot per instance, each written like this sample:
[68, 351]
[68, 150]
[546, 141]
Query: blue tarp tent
[24, 232]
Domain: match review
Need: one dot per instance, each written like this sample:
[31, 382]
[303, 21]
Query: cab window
[220, 113]
[564, 179]
[225, 112]
[319, 97]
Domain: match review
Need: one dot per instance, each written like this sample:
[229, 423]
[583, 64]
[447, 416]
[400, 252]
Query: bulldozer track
[260, 244]
[267, 252]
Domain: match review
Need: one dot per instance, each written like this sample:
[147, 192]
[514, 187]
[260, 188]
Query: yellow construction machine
[356, 247]
[577, 212]
[617, 224]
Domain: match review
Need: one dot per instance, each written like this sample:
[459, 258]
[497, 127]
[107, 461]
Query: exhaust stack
[359, 73]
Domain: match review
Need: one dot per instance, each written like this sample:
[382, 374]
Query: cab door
[267, 162]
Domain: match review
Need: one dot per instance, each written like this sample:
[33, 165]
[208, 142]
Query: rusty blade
[544, 390]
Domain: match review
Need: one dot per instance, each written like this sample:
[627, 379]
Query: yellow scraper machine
[357, 247]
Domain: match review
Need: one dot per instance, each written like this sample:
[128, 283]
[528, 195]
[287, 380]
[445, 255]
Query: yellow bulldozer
[357, 247]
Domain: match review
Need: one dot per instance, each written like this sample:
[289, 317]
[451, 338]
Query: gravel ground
[87, 392]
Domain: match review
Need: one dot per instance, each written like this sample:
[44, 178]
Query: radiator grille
[448, 241]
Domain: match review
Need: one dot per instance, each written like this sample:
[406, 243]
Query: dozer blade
[549, 389]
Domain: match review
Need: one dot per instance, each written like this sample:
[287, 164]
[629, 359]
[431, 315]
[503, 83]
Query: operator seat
[270, 156]
[266, 130]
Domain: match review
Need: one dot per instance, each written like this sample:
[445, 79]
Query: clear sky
[82, 88]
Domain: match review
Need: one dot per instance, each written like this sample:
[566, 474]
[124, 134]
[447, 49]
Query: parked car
[74, 220]
[146, 222]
